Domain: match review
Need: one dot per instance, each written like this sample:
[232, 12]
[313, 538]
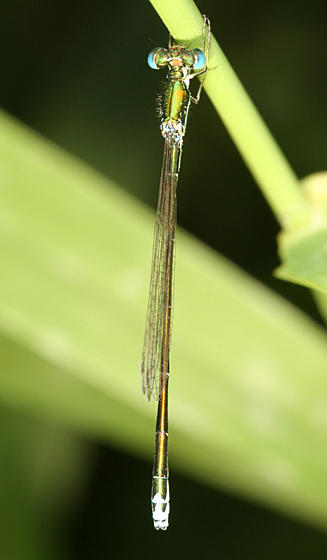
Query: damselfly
[183, 64]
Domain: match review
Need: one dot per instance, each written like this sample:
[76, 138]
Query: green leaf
[248, 380]
[304, 253]
[305, 260]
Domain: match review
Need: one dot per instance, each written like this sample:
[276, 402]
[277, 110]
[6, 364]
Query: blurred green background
[76, 73]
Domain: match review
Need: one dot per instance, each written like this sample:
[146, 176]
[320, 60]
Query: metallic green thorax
[175, 98]
[175, 102]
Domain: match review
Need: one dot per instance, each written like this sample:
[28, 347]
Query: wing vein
[160, 294]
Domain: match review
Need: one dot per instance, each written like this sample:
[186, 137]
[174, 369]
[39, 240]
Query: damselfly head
[176, 56]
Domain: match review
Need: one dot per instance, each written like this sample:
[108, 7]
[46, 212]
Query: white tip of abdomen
[160, 502]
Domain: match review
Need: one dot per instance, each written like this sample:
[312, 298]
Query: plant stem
[257, 146]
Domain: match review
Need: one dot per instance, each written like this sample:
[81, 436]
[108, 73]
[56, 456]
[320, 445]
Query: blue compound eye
[151, 59]
[199, 59]
[157, 57]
